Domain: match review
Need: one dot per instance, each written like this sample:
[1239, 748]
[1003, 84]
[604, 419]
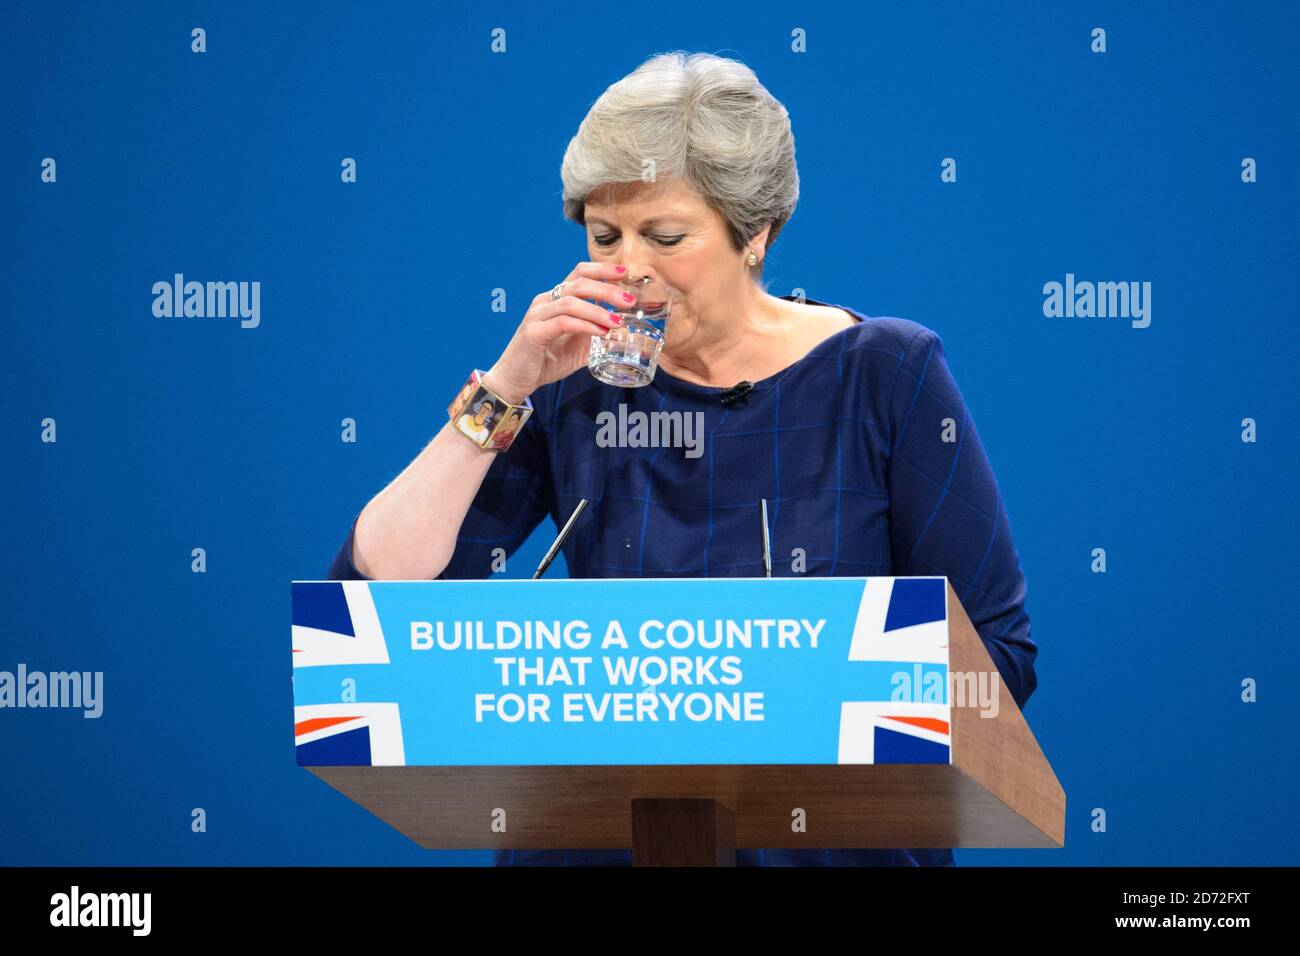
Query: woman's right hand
[554, 338]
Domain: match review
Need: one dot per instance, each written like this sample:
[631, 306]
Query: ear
[759, 242]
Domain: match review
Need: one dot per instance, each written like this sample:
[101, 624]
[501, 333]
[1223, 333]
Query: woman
[866, 486]
[504, 436]
[478, 423]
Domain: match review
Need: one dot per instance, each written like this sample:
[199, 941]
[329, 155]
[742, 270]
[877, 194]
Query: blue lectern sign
[629, 671]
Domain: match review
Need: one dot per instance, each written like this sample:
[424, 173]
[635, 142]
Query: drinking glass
[628, 354]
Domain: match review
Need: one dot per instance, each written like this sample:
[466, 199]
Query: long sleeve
[514, 498]
[946, 511]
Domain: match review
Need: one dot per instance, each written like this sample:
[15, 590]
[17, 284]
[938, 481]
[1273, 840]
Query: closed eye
[662, 240]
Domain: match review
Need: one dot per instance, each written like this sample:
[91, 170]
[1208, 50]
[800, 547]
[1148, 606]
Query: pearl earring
[752, 260]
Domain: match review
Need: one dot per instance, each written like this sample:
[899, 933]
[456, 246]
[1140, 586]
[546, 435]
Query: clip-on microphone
[737, 394]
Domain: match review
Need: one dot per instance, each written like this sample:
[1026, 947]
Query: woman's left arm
[946, 514]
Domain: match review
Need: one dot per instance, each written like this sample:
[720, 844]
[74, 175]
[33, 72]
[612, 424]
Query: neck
[725, 342]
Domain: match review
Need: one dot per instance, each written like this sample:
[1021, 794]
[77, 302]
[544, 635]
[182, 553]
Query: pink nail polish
[628, 296]
[620, 268]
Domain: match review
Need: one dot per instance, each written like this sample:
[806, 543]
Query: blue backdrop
[175, 434]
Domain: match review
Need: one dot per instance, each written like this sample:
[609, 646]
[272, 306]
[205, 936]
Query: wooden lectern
[996, 790]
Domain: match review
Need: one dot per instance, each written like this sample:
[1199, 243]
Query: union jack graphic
[899, 619]
[368, 735]
[335, 622]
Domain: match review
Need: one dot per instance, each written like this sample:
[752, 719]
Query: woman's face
[667, 231]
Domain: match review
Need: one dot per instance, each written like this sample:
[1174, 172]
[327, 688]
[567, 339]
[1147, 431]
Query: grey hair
[701, 118]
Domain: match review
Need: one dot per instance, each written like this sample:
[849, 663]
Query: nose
[638, 257]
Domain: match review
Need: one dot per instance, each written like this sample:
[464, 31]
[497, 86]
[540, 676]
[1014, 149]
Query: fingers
[598, 270]
[595, 280]
[591, 288]
[546, 331]
[571, 313]
[571, 305]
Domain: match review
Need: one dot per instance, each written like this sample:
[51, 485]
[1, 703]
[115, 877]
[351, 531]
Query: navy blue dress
[846, 446]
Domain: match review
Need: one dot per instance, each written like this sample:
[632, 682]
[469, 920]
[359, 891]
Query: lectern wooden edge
[998, 791]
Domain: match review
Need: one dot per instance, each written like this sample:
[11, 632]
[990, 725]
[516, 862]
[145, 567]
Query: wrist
[501, 384]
